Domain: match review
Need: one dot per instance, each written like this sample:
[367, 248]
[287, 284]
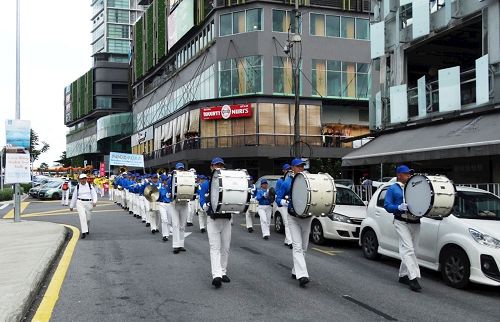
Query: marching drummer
[179, 216]
[165, 207]
[192, 208]
[249, 213]
[408, 229]
[264, 208]
[286, 169]
[219, 232]
[300, 227]
[202, 215]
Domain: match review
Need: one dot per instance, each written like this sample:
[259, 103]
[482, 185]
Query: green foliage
[25, 187]
[64, 159]
[6, 194]
[35, 151]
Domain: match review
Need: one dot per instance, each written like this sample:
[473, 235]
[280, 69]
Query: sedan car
[345, 220]
[464, 247]
[51, 190]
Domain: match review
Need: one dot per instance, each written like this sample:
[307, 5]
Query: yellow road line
[327, 252]
[43, 214]
[65, 209]
[10, 214]
[44, 311]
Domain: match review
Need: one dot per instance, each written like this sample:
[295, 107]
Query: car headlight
[340, 218]
[484, 239]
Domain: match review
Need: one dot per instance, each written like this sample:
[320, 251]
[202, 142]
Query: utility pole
[295, 42]
[17, 189]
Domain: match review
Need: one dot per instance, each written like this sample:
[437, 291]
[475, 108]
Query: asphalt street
[122, 272]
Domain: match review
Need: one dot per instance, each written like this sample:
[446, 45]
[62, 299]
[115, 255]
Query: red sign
[226, 112]
[102, 169]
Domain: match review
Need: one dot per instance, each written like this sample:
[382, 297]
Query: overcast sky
[55, 50]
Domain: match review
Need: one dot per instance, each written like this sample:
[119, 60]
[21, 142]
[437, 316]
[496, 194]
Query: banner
[17, 168]
[129, 160]
[18, 134]
[226, 112]
[102, 169]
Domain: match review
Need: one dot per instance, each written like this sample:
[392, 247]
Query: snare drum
[430, 196]
[183, 186]
[230, 191]
[313, 194]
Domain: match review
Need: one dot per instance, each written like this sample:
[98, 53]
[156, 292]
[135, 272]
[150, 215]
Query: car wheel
[369, 245]
[56, 196]
[279, 226]
[455, 267]
[317, 233]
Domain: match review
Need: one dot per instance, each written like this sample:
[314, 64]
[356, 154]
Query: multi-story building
[97, 105]
[437, 106]
[211, 77]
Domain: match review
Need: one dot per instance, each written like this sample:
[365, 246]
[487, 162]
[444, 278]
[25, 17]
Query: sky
[55, 51]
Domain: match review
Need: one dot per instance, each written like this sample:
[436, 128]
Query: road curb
[30, 289]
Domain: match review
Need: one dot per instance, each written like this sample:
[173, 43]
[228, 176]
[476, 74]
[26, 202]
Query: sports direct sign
[226, 112]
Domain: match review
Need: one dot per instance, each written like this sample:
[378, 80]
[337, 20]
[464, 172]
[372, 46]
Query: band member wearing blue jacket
[300, 227]
[179, 217]
[265, 208]
[219, 232]
[408, 229]
[283, 210]
[165, 206]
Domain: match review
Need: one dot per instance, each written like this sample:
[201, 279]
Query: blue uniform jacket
[165, 192]
[393, 198]
[204, 189]
[285, 190]
[263, 201]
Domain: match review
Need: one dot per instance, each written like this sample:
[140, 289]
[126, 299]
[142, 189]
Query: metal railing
[364, 192]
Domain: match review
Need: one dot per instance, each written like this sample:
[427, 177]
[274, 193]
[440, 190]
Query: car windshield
[347, 197]
[345, 182]
[477, 205]
[52, 184]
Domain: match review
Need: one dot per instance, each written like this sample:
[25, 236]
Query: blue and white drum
[430, 196]
[230, 191]
[313, 194]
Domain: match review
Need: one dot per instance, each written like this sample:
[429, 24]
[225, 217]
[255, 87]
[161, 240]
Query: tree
[65, 162]
[34, 143]
[43, 166]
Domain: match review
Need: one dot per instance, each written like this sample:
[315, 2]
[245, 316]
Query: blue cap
[286, 166]
[154, 176]
[263, 181]
[164, 177]
[179, 165]
[217, 160]
[403, 169]
[202, 176]
[297, 162]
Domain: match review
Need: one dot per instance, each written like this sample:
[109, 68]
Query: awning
[479, 136]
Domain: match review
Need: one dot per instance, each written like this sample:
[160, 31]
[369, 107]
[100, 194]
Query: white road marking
[3, 206]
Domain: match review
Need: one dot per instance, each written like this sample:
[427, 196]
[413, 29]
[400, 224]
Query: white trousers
[248, 219]
[219, 238]
[408, 240]
[118, 196]
[166, 218]
[284, 215]
[179, 217]
[111, 193]
[265, 219]
[202, 219]
[84, 209]
[300, 229]
[65, 198]
[125, 198]
[154, 216]
[145, 209]
[192, 211]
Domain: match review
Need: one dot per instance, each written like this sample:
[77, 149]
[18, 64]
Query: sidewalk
[26, 253]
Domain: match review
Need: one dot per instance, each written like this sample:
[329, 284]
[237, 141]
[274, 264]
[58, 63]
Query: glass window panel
[279, 21]
[225, 83]
[449, 89]
[224, 133]
[266, 124]
[207, 134]
[314, 125]
[278, 75]
[349, 79]
[251, 127]
[238, 132]
[362, 86]
[399, 104]
[377, 45]
[225, 25]
[319, 77]
[254, 19]
[362, 29]
[347, 27]
[334, 83]
[317, 24]
[333, 26]
[238, 22]
[282, 124]
[482, 80]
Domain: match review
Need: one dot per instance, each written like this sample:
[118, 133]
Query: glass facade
[113, 125]
[331, 78]
[240, 76]
[339, 26]
[103, 102]
[118, 46]
[118, 16]
[284, 21]
[122, 4]
[240, 21]
[283, 77]
[118, 31]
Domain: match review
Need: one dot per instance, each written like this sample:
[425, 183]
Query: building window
[103, 102]
[118, 46]
[333, 26]
[317, 24]
[339, 26]
[283, 77]
[362, 29]
[240, 76]
[118, 16]
[240, 21]
[284, 21]
[118, 31]
[98, 45]
[340, 79]
[347, 27]
[124, 4]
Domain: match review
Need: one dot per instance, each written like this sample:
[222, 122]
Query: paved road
[124, 273]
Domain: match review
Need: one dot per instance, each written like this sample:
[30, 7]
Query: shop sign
[226, 112]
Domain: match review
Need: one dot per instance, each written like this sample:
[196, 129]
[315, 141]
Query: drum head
[214, 190]
[300, 194]
[418, 195]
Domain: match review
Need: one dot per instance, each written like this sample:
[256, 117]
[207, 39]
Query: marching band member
[144, 204]
[219, 232]
[248, 214]
[264, 209]
[84, 198]
[283, 210]
[66, 188]
[154, 214]
[300, 228]
[165, 206]
[179, 217]
[192, 207]
[112, 188]
[202, 215]
[408, 229]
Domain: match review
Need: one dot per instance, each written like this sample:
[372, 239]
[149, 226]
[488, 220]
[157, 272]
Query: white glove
[169, 195]
[265, 196]
[284, 203]
[205, 206]
[403, 207]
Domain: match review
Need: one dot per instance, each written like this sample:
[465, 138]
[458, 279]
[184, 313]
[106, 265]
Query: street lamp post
[296, 39]
[17, 189]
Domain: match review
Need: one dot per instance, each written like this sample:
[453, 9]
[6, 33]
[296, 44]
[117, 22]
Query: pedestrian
[66, 188]
[286, 169]
[264, 208]
[84, 199]
[180, 212]
[407, 227]
[300, 227]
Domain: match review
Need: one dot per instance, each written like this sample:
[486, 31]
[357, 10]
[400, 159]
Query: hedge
[7, 193]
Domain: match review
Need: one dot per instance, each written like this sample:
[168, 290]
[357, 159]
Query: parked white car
[464, 246]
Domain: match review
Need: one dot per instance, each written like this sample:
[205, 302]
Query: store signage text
[226, 112]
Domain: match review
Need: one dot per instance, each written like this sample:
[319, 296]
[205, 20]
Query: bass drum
[230, 191]
[430, 196]
[313, 194]
[183, 186]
